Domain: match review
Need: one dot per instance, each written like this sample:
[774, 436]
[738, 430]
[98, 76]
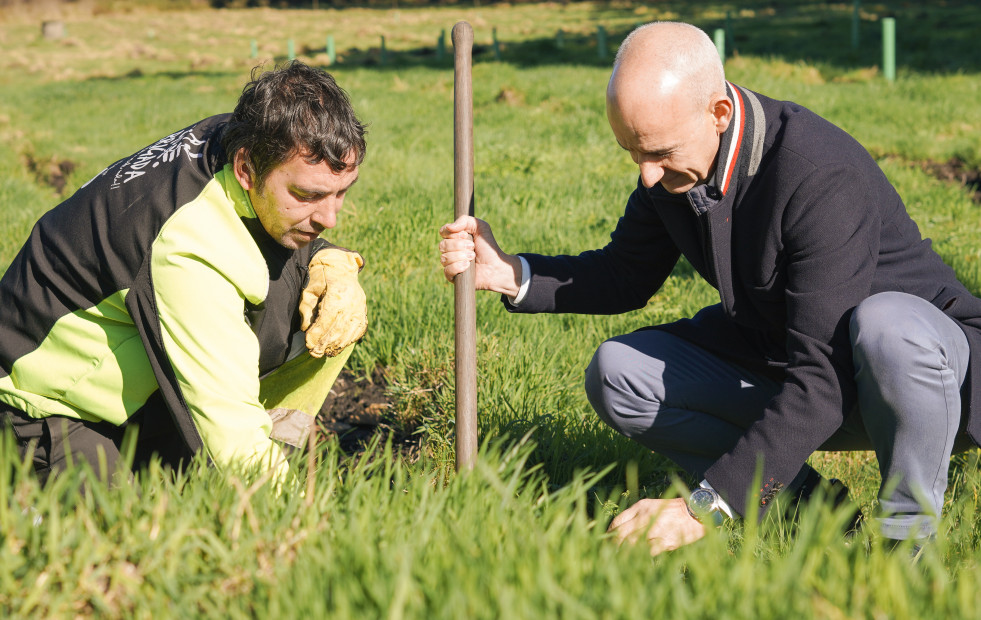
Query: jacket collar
[741, 146]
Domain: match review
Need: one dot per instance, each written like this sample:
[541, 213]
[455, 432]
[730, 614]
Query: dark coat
[796, 227]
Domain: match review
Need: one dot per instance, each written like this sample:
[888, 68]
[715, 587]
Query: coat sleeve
[203, 268]
[621, 276]
[831, 241]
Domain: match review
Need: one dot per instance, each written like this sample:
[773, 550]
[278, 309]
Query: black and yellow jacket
[155, 275]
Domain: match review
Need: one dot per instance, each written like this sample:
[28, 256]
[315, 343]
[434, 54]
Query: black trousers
[56, 442]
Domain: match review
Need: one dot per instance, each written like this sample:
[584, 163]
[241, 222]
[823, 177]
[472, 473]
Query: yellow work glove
[333, 308]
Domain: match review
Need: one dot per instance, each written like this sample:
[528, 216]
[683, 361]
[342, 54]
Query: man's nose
[650, 173]
[326, 215]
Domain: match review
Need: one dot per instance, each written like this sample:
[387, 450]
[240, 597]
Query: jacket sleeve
[201, 272]
[831, 241]
[621, 276]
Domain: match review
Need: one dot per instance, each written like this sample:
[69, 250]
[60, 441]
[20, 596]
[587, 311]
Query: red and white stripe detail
[738, 117]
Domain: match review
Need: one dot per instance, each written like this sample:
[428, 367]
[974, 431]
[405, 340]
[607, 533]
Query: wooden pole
[465, 305]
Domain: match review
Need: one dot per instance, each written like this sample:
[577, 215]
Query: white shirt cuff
[723, 504]
[525, 281]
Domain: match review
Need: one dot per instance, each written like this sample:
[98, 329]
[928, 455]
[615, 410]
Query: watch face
[702, 501]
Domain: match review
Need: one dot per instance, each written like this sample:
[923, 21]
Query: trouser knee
[895, 337]
[881, 333]
[597, 384]
[615, 398]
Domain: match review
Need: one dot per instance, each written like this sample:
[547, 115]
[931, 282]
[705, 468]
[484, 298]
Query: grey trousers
[910, 361]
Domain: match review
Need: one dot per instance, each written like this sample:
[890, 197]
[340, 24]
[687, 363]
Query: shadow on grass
[937, 37]
[137, 74]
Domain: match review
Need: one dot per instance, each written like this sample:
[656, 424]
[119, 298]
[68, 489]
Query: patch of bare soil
[358, 409]
[955, 170]
[51, 172]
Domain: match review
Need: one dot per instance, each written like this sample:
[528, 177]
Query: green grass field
[523, 535]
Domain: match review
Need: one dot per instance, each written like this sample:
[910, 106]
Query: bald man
[837, 327]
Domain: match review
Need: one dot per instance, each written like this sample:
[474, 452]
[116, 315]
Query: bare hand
[468, 240]
[664, 523]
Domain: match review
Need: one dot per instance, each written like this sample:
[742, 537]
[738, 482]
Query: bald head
[667, 60]
[667, 104]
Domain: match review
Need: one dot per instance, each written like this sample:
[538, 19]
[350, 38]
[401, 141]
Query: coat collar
[739, 156]
[741, 146]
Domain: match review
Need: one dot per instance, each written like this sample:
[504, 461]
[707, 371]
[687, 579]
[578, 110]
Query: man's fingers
[454, 269]
[463, 225]
[635, 521]
[446, 233]
[627, 533]
[456, 244]
[456, 254]
[308, 302]
[627, 525]
[621, 518]
[314, 340]
[461, 256]
[322, 342]
[638, 509]
[658, 546]
[634, 530]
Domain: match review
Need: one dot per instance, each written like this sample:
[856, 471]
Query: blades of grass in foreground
[382, 538]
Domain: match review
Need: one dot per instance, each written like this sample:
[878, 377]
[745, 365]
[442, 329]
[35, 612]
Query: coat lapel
[740, 153]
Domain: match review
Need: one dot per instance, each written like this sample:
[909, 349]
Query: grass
[521, 536]
[382, 539]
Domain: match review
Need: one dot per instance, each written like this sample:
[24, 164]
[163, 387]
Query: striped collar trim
[741, 147]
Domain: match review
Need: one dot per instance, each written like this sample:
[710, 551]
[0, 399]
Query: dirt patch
[52, 172]
[510, 96]
[955, 170]
[358, 409]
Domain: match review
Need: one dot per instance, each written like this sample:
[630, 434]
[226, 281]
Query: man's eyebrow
[664, 152]
[317, 192]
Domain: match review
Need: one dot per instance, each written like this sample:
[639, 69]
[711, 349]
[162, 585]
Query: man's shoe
[913, 548]
[836, 492]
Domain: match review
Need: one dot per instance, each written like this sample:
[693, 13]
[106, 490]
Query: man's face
[671, 144]
[298, 200]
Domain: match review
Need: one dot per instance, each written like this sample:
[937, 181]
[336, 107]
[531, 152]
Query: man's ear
[242, 168]
[721, 108]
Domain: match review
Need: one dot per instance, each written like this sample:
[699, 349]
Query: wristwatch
[705, 503]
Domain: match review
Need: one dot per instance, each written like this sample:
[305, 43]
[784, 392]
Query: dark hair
[293, 109]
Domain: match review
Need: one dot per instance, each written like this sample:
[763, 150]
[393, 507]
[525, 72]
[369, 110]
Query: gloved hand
[333, 307]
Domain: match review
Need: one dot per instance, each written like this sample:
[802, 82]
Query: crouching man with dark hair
[187, 291]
